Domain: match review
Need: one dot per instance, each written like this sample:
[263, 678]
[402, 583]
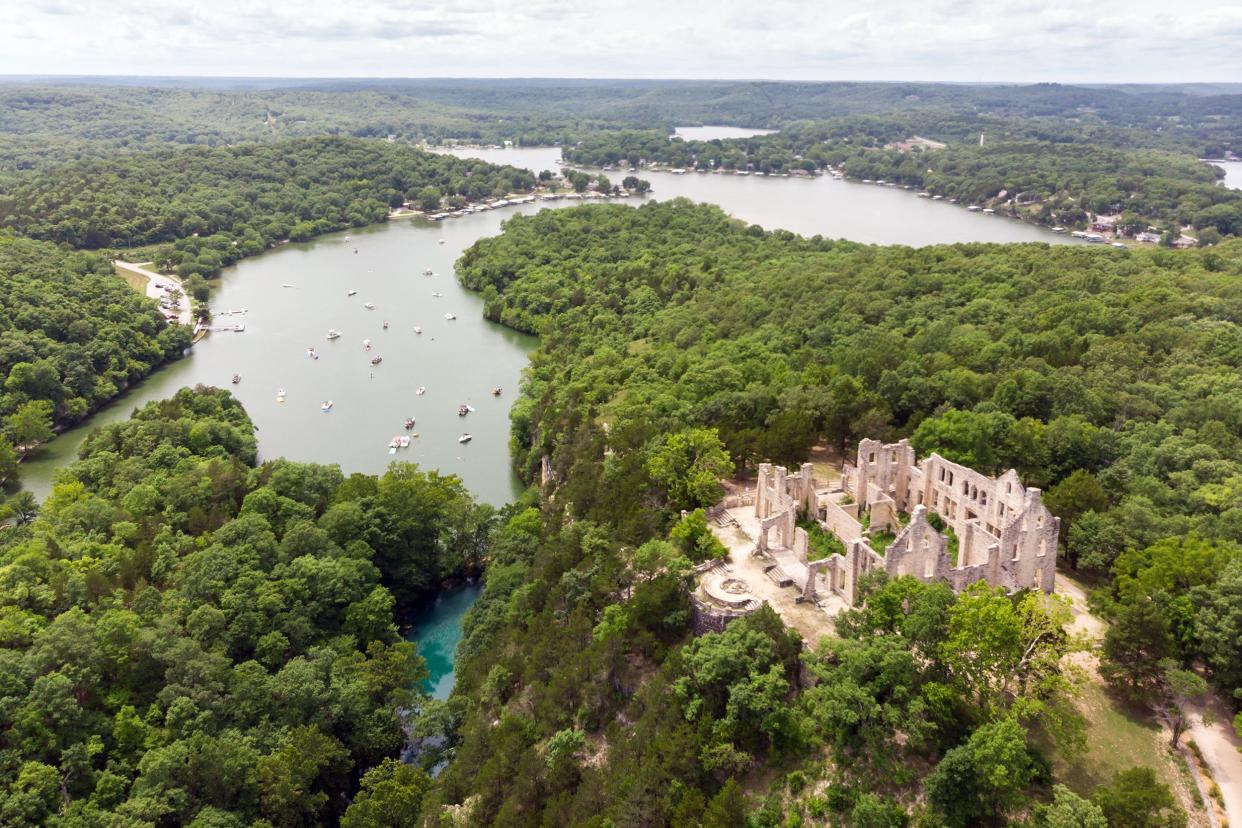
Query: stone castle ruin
[1001, 531]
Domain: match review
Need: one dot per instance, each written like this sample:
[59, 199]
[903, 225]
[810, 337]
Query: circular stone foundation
[727, 590]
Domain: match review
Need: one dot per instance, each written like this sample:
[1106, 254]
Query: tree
[8, 461]
[390, 796]
[1137, 799]
[871, 811]
[1069, 810]
[983, 778]
[31, 424]
[727, 809]
[688, 465]
[429, 199]
[1218, 624]
[1134, 648]
[696, 541]
[1076, 494]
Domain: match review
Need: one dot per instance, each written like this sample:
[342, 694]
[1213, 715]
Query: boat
[436, 294]
[376, 360]
[496, 391]
[441, 241]
[470, 408]
[450, 316]
[333, 333]
[429, 271]
[347, 238]
[285, 285]
[422, 389]
[417, 329]
[462, 410]
[405, 441]
[385, 324]
[465, 438]
[312, 353]
[351, 293]
[327, 406]
[393, 445]
[369, 305]
[236, 378]
[409, 423]
[366, 344]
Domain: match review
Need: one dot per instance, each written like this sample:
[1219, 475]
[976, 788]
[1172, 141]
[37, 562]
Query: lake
[718, 133]
[822, 205]
[1233, 173]
[457, 361]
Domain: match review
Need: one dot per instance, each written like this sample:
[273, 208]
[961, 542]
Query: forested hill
[678, 344]
[223, 203]
[186, 639]
[73, 335]
[48, 122]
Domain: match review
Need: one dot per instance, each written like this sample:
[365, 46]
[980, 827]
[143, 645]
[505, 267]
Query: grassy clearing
[1117, 738]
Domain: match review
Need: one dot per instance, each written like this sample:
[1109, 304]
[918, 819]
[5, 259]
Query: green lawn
[1117, 738]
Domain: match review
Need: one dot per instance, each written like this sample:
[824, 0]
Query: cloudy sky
[956, 40]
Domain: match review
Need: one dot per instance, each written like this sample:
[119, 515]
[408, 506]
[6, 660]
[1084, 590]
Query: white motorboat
[417, 330]
[369, 305]
[285, 285]
[470, 408]
[405, 441]
[465, 438]
[450, 316]
[428, 272]
[422, 389]
[436, 294]
[366, 344]
[441, 241]
[327, 406]
[333, 333]
[394, 444]
[280, 395]
[351, 293]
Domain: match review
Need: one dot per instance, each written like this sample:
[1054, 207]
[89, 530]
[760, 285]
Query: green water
[436, 629]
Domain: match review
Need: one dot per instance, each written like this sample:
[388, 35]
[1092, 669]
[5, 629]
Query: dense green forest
[186, 638]
[1056, 176]
[73, 335]
[48, 123]
[673, 339]
[210, 207]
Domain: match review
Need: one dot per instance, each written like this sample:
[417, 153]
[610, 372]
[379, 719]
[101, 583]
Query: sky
[1106, 41]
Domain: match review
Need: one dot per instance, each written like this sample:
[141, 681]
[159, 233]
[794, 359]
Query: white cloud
[961, 40]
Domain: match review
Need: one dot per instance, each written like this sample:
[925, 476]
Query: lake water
[1233, 173]
[457, 361]
[436, 629]
[713, 133]
[822, 205]
[462, 360]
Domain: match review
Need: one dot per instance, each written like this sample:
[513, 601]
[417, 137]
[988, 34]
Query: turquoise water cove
[436, 629]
